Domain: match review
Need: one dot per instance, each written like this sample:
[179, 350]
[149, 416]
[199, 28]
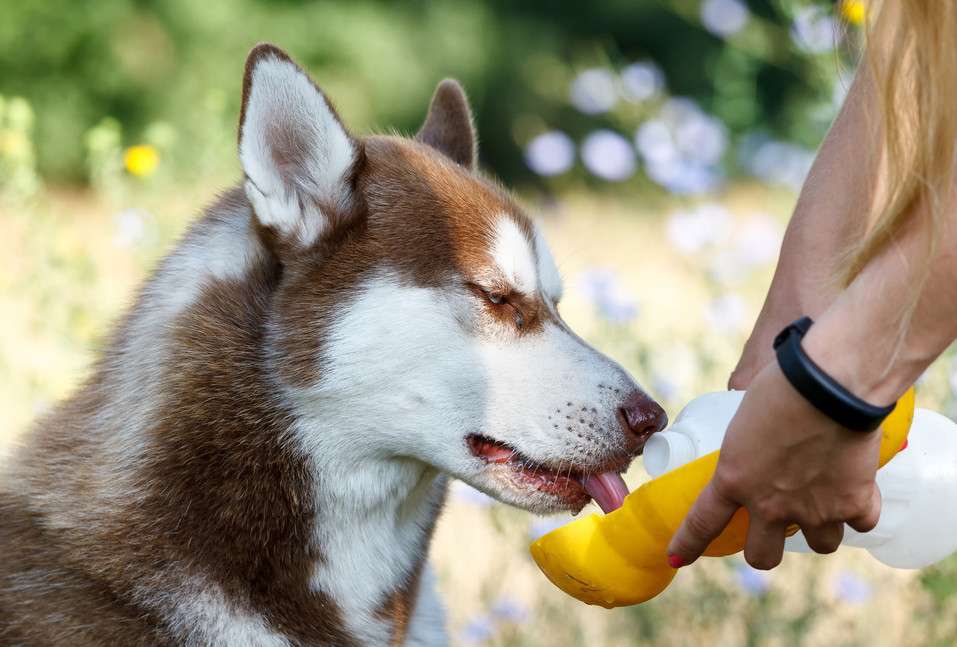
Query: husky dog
[261, 453]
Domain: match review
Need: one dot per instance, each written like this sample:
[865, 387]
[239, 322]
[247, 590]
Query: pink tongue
[608, 490]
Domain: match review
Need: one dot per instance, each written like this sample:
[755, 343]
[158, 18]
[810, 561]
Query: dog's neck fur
[191, 468]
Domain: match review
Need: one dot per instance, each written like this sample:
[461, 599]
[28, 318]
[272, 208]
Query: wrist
[868, 365]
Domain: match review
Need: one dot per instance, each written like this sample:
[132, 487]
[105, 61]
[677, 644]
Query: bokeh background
[661, 142]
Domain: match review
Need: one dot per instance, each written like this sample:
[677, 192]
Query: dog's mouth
[573, 486]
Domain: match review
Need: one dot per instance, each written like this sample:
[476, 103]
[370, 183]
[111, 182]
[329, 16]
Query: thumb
[708, 517]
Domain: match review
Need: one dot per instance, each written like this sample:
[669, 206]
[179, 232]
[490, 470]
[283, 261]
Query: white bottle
[698, 430]
[918, 524]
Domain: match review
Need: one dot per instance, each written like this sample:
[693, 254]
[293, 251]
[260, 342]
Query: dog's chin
[537, 492]
[512, 478]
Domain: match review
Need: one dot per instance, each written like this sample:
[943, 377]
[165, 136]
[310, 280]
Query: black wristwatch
[819, 388]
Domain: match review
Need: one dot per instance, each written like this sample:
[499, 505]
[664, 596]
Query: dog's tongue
[608, 490]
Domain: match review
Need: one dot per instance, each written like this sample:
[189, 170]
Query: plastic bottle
[918, 525]
[914, 531]
[698, 430]
[620, 558]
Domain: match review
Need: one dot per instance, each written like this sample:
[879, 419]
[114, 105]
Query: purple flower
[509, 610]
[550, 153]
[608, 155]
[852, 589]
[602, 287]
[477, 630]
[751, 580]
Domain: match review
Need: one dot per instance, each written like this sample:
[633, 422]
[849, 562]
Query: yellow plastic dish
[620, 559]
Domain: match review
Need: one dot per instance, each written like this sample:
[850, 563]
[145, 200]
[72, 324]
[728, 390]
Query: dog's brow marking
[512, 252]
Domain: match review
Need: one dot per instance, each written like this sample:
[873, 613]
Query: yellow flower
[141, 160]
[854, 11]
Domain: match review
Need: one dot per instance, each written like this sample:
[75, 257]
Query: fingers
[825, 538]
[866, 521]
[765, 543]
[707, 518]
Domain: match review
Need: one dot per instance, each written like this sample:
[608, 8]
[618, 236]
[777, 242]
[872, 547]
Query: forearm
[857, 339]
[831, 210]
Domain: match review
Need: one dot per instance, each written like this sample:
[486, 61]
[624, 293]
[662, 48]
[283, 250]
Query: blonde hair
[911, 56]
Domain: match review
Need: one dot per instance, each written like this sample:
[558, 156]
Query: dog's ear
[297, 155]
[448, 127]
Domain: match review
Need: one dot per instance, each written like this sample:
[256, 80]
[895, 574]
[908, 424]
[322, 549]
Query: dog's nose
[642, 416]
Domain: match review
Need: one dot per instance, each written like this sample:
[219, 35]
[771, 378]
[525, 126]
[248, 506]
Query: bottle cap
[667, 450]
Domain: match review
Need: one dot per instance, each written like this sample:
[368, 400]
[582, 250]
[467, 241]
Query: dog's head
[417, 314]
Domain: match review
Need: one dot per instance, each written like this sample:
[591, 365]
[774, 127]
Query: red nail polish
[903, 446]
[675, 561]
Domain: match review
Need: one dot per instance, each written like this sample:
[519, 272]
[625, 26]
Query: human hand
[785, 462]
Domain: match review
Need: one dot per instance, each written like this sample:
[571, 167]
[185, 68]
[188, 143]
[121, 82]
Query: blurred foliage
[179, 63]
[18, 176]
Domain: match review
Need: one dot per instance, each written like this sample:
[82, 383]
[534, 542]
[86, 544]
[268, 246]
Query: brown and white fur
[261, 453]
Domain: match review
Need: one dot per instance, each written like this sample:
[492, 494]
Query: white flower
[682, 147]
[663, 387]
[726, 313]
[724, 17]
[814, 30]
[611, 299]
[655, 142]
[758, 241]
[681, 364]
[777, 162]
[684, 177]
[842, 85]
[641, 81]
[608, 155]
[693, 230]
[725, 267]
[550, 153]
[702, 138]
[130, 226]
[594, 91]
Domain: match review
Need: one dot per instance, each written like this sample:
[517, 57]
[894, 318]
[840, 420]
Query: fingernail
[903, 446]
[675, 561]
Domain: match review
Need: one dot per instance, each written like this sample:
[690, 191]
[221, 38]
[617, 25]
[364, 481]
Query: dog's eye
[495, 297]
